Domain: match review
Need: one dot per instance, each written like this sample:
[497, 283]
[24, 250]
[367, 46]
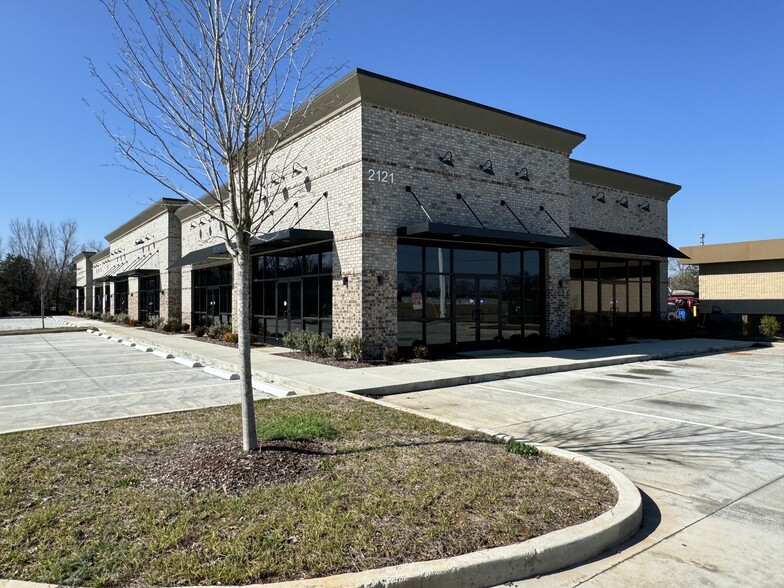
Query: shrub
[167, 327]
[133, 322]
[121, 319]
[769, 326]
[199, 331]
[105, 317]
[218, 330]
[185, 327]
[319, 344]
[355, 347]
[337, 348]
[231, 337]
[520, 448]
[391, 355]
[294, 340]
[421, 351]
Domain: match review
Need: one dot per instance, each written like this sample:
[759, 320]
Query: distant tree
[49, 250]
[17, 285]
[684, 277]
[211, 88]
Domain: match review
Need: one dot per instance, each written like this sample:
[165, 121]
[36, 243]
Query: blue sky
[687, 92]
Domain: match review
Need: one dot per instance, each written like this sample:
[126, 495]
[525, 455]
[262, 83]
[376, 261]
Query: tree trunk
[242, 271]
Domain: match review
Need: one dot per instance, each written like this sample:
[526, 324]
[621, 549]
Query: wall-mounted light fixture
[645, 206]
[276, 179]
[623, 202]
[193, 224]
[147, 237]
[202, 222]
[599, 197]
[345, 280]
[446, 159]
[297, 168]
[139, 241]
[523, 174]
[380, 279]
[487, 167]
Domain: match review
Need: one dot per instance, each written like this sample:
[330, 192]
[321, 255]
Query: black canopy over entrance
[631, 244]
[480, 236]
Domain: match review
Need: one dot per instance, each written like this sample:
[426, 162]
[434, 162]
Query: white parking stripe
[76, 367]
[631, 412]
[178, 388]
[697, 388]
[35, 382]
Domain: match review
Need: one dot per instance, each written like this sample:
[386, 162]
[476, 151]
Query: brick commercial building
[402, 215]
[745, 279]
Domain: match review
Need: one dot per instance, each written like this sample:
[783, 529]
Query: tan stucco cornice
[146, 215]
[83, 255]
[770, 249]
[606, 177]
[100, 255]
[371, 88]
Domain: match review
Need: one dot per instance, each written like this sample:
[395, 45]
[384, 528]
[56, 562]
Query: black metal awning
[631, 244]
[199, 255]
[138, 273]
[289, 238]
[264, 244]
[481, 236]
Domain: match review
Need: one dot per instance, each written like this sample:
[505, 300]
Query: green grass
[84, 505]
[298, 427]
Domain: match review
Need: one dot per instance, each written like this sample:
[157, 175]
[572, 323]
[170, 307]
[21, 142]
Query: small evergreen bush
[355, 347]
[391, 355]
[769, 326]
[218, 330]
[520, 448]
[200, 331]
[336, 348]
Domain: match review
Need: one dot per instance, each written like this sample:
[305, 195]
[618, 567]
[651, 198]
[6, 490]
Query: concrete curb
[491, 567]
[451, 381]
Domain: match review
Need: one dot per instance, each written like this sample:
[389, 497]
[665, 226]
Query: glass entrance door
[476, 309]
[213, 305]
[289, 306]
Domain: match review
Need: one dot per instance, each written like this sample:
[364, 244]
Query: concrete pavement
[307, 377]
[457, 375]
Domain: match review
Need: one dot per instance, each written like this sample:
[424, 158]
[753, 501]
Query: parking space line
[91, 355]
[676, 388]
[180, 369]
[631, 412]
[167, 389]
[75, 367]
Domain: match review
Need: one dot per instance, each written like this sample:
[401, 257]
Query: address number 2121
[380, 175]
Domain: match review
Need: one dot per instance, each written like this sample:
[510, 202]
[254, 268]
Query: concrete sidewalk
[306, 377]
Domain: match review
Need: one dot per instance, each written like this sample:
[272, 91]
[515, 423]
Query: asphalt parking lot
[65, 378]
[702, 438]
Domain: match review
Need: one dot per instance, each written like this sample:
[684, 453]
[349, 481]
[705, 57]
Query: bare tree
[684, 277]
[210, 89]
[48, 249]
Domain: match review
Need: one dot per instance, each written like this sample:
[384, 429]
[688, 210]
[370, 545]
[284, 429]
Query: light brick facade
[364, 141]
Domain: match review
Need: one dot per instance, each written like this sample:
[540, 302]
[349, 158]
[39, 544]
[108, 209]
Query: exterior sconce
[523, 174]
[446, 159]
[645, 206]
[297, 169]
[202, 221]
[380, 279]
[139, 242]
[599, 197]
[193, 224]
[487, 167]
[276, 179]
[345, 280]
[623, 202]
